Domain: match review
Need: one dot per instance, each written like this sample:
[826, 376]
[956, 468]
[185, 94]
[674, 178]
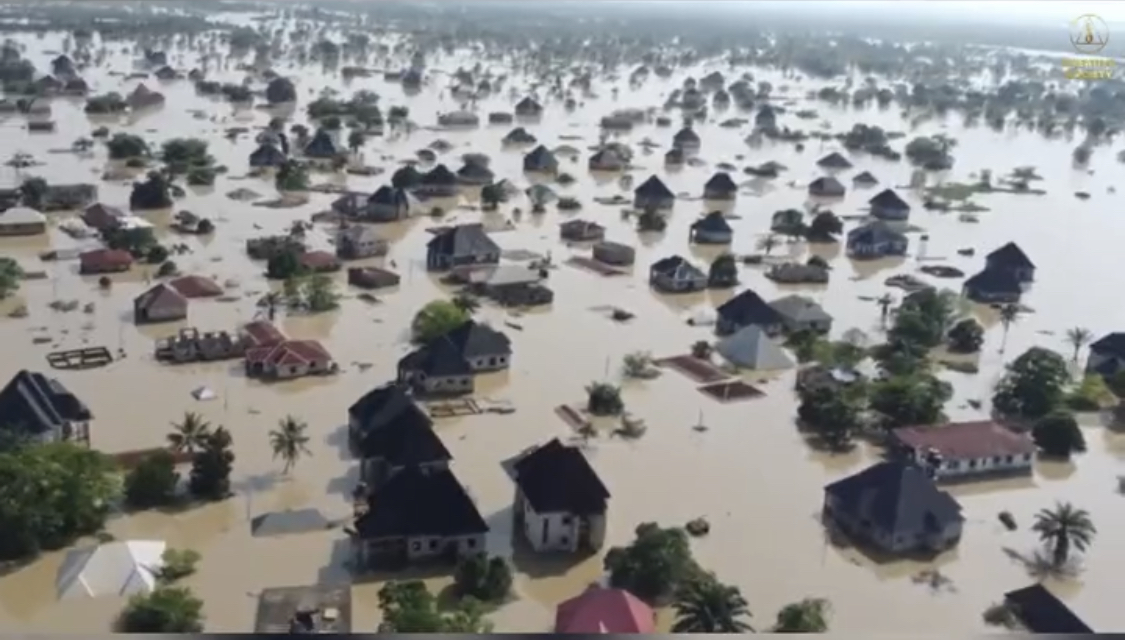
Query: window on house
[973, 463]
[1008, 459]
[566, 520]
[492, 361]
[433, 544]
[417, 546]
[564, 540]
[470, 543]
[996, 460]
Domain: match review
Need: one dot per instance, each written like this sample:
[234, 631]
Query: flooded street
[751, 474]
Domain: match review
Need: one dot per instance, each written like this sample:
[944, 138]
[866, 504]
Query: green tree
[1078, 337]
[966, 336]
[409, 607]
[211, 467]
[289, 441]
[1064, 527]
[705, 605]
[178, 564]
[831, 415]
[466, 302]
[319, 292]
[138, 241]
[1057, 434]
[356, 140]
[182, 154]
[284, 264]
[123, 146]
[152, 483]
[32, 192]
[153, 193]
[292, 176]
[655, 565]
[1033, 385]
[767, 244]
[483, 578]
[917, 399]
[436, 319]
[701, 349]
[53, 494]
[1009, 314]
[189, 434]
[11, 275]
[924, 317]
[651, 220]
[604, 399]
[164, 610]
[825, 226]
[807, 616]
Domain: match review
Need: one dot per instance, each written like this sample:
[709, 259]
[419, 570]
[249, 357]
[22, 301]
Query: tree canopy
[1058, 435]
[281, 90]
[123, 146]
[657, 563]
[482, 578]
[153, 193]
[436, 319]
[409, 607]
[11, 275]
[152, 483]
[1033, 385]
[165, 610]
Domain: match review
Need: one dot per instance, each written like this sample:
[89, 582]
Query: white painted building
[560, 503]
[964, 449]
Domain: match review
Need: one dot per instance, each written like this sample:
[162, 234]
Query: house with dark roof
[103, 217]
[960, 450]
[475, 173]
[799, 313]
[517, 136]
[461, 245]
[720, 187]
[389, 432]
[43, 410]
[712, 228]
[992, 286]
[528, 108]
[600, 610]
[887, 205]
[408, 177]
[417, 516]
[438, 182]
[161, 303]
[1107, 355]
[864, 179]
[876, 240]
[746, 309]
[607, 159]
[826, 187]
[834, 160]
[1012, 259]
[267, 155]
[1040, 611]
[540, 160]
[674, 158]
[357, 241]
[894, 507]
[322, 146]
[675, 274]
[653, 194]
[686, 138]
[446, 365]
[581, 231]
[560, 501]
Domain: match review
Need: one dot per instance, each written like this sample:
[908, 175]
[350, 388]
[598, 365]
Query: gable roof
[437, 359]
[463, 240]
[38, 404]
[654, 187]
[834, 160]
[826, 183]
[473, 339]
[1010, 256]
[1110, 344]
[413, 503]
[386, 404]
[388, 195]
[322, 145]
[161, 295]
[677, 268]
[599, 610]
[800, 309]
[1042, 612]
[391, 426]
[751, 348]
[559, 479]
[957, 440]
[865, 177]
[685, 136]
[875, 232]
[714, 222]
[540, 157]
[994, 281]
[721, 181]
[888, 199]
[439, 176]
[896, 497]
[22, 215]
[748, 308]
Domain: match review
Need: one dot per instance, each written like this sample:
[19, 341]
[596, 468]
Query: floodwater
[750, 474]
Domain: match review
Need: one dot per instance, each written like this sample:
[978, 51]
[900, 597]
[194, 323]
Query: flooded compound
[718, 444]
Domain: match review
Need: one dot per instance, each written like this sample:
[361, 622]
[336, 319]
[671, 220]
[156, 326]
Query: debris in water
[698, 527]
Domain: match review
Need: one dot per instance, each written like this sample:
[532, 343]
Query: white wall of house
[559, 531]
[426, 547]
[952, 468]
[489, 363]
[445, 384]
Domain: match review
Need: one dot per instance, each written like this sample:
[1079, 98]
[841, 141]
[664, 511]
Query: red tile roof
[196, 287]
[262, 333]
[102, 259]
[289, 352]
[319, 260]
[965, 440]
[601, 610]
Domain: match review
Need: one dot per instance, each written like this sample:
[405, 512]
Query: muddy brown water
[750, 473]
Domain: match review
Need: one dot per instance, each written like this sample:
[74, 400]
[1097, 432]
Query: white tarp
[203, 393]
[120, 568]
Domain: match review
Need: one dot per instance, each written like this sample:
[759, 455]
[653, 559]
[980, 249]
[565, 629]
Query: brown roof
[105, 258]
[319, 260]
[162, 295]
[289, 352]
[262, 333]
[197, 286]
[963, 440]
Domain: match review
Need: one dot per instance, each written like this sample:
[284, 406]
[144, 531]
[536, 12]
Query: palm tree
[709, 606]
[271, 301]
[191, 433]
[466, 302]
[1009, 313]
[807, 616]
[767, 244]
[1078, 337]
[1063, 527]
[884, 303]
[289, 441]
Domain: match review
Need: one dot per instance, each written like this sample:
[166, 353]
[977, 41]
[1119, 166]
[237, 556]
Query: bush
[178, 563]
[483, 578]
[1058, 435]
[165, 610]
[152, 483]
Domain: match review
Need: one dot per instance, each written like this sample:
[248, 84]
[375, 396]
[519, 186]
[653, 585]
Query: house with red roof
[602, 610]
[289, 359]
[104, 261]
[261, 333]
[959, 450]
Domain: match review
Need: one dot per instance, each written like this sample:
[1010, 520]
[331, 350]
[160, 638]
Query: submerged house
[323, 146]
[142, 98]
[22, 221]
[834, 160]
[675, 274]
[826, 187]
[289, 359]
[896, 508]
[389, 432]
[607, 159]
[267, 155]
[581, 231]
[965, 449]
[876, 240]
[887, 205]
[993, 286]
[653, 194]
[1040, 611]
[540, 160]
[513, 285]
[720, 187]
[528, 108]
[357, 241]
[1107, 355]
[475, 173]
[600, 610]
[686, 139]
[446, 365]
[462, 245]
[747, 309]
[712, 228]
[560, 502]
[387, 204]
[100, 261]
[438, 182]
[418, 515]
[799, 313]
[519, 135]
[1012, 259]
[752, 348]
[161, 303]
[43, 410]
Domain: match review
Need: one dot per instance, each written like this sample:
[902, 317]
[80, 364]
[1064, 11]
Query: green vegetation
[436, 319]
[807, 616]
[604, 399]
[1034, 385]
[705, 605]
[289, 441]
[106, 104]
[409, 607]
[1064, 527]
[178, 564]
[164, 610]
[1058, 435]
[11, 275]
[211, 466]
[152, 483]
[656, 565]
[292, 176]
[190, 434]
[123, 146]
[153, 193]
[285, 265]
[482, 578]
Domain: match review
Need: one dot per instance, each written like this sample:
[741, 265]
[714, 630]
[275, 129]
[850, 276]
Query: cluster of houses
[266, 352]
